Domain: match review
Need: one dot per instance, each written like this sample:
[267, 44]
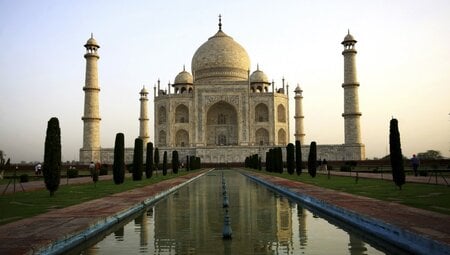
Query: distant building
[221, 111]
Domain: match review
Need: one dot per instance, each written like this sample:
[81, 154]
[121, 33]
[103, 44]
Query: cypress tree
[267, 161]
[312, 160]
[192, 163]
[149, 161]
[290, 158]
[298, 157]
[52, 156]
[137, 159]
[156, 161]
[396, 157]
[175, 162]
[119, 159]
[164, 167]
[95, 174]
[259, 164]
[279, 159]
[187, 163]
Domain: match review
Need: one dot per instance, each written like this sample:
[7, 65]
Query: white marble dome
[183, 77]
[220, 57]
[258, 76]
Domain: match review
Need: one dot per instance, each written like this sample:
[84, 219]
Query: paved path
[425, 223]
[32, 234]
[37, 185]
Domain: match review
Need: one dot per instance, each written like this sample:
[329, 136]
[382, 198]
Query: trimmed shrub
[175, 162]
[290, 153]
[52, 156]
[298, 157]
[149, 161]
[119, 159]
[312, 160]
[164, 167]
[396, 157]
[138, 159]
[156, 159]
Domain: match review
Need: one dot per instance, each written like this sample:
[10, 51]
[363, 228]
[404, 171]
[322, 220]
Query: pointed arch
[162, 115]
[261, 113]
[182, 138]
[262, 136]
[181, 114]
[281, 113]
[281, 137]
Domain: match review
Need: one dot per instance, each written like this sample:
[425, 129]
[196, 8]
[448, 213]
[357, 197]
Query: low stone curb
[403, 238]
[69, 242]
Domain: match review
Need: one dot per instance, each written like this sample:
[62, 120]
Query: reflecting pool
[190, 221]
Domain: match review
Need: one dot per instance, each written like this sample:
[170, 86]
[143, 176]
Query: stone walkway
[30, 235]
[37, 185]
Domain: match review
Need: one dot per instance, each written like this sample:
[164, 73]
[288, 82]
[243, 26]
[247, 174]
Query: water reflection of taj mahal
[221, 111]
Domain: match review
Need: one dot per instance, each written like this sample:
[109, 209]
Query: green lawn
[26, 204]
[426, 196]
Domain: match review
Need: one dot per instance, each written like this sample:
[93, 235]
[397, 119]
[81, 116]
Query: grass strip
[22, 205]
[425, 196]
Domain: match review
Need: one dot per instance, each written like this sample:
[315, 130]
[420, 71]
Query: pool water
[190, 221]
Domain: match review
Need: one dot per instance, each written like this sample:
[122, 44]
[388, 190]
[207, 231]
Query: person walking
[415, 163]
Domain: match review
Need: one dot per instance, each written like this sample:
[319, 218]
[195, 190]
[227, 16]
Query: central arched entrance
[221, 125]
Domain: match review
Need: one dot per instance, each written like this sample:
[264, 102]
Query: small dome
[144, 91]
[183, 78]
[298, 90]
[221, 57]
[92, 42]
[258, 76]
[349, 38]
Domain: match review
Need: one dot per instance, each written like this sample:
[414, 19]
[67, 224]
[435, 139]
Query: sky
[403, 64]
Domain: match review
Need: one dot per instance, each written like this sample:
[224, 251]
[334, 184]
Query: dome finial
[257, 67]
[220, 22]
[184, 68]
[92, 35]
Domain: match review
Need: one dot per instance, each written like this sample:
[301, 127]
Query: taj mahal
[221, 111]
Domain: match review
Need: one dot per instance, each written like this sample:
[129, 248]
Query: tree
[398, 171]
[156, 161]
[164, 167]
[187, 163]
[312, 160]
[138, 159]
[430, 154]
[267, 161]
[175, 162]
[52, 156]
[119, 159]
[95, 173]
[290, 158]
[279, 159]
[149, 161]
[298, 157]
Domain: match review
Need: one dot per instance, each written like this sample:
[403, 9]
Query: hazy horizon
[403, 65]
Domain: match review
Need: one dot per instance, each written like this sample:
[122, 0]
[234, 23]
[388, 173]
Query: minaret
[299, 128]
[143, 119]
[91, 118]
[351, 101]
